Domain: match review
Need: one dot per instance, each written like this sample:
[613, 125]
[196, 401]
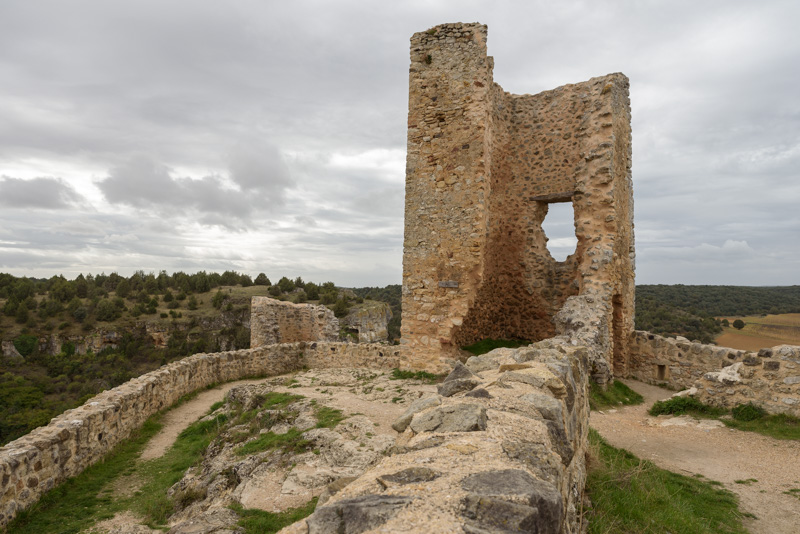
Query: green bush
[26, 344]
[748, 412]
[684, 405]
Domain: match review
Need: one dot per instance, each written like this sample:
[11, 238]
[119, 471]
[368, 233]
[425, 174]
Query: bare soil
[690, 447]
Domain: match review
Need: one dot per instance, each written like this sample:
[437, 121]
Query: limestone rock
[368, 321]
[448, 389]
[452, 418]
[408, 476]
[479, 393]
[356, 515]
[417, 406]
[496, 497]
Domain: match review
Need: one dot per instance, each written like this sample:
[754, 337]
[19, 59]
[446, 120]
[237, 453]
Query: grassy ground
[616, 394]
[633, 496]
[762, 332]
[83, 500]
[778, 426]
[261, 522]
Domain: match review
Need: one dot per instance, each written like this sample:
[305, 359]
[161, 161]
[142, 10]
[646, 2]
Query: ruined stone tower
[483, 166]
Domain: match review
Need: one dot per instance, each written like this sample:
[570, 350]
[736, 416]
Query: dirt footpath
[689, 447]
[178, 419]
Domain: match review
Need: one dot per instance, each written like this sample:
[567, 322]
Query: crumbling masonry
[483, 167]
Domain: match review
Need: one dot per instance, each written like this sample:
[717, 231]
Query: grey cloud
[260, 167]
[45, 193]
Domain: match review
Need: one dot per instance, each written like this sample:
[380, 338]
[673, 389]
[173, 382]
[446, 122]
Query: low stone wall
[76, 439]
[677, 363]
[275, 321]
[769, 379]
[721, 376]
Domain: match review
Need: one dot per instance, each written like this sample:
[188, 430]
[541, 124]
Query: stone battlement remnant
[483, 167]
[275, 321]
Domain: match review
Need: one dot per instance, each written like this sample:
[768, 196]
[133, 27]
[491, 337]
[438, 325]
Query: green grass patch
[794, 492]
[261, 522]
[488, 345]
[424, 376]
[161, 473]
[292, 441]
[778, 426]
[328, 417]
[746, 417]
[686, 405]
[633, 496]
[746, 481]
[273, 400]
[748, 412]
[616, 394]
[79, 502]
[216, 406]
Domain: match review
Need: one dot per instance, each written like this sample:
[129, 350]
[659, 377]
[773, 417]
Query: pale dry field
[762, 332]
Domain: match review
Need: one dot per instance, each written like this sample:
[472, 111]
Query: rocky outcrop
[368, 321]
[276, 321]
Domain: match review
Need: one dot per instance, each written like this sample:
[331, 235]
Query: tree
[286, 285]
[217, 300]
[738, 324]
[725, 322]
[262, 280]
[22, 313]
[192, 304]
[106, 311]
[123, 288]
[245, 280]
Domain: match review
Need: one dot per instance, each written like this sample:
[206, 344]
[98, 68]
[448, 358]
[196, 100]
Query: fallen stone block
[417, 406]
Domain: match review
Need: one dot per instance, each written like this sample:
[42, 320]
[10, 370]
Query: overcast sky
[270, 137]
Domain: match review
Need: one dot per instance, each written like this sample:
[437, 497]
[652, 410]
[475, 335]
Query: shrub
[26, 344]
[748, 412]
[738, 324]
[683, 405]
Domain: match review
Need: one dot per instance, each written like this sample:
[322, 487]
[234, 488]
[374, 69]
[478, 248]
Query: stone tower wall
[483, 167]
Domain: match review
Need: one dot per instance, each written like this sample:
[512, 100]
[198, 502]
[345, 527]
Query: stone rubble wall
[78, 438]
[483, 166]
[501, 448]
[720, 376]
[275, 321]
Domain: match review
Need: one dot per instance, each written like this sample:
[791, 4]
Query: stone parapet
[78, 438]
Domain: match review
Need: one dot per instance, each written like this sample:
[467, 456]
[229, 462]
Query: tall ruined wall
[483, 167]
[78, 438]
[721, 376]
[276, 321]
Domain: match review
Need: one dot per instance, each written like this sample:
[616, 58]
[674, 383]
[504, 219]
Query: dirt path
[177, 419]
[726, 455]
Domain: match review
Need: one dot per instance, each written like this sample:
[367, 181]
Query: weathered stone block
[453, 418]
